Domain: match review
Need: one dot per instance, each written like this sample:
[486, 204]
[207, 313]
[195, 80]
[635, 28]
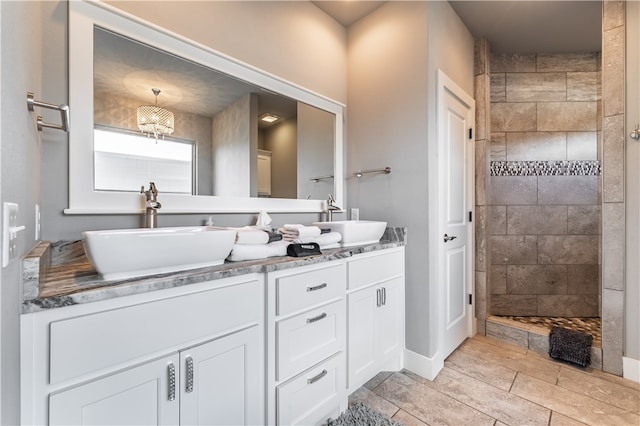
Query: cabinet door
[220, 381]
[389, 320]
[362, 335]
[137, 396]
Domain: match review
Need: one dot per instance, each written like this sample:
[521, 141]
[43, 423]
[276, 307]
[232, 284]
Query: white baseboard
[631, 369]
[422, 365]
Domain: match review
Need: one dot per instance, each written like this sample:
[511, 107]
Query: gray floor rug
[360, 414]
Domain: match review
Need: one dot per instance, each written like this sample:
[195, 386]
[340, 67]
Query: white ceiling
[347, 12]
[511, 26]
[534, 26]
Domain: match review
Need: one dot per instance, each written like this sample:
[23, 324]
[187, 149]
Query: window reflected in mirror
[123, 161]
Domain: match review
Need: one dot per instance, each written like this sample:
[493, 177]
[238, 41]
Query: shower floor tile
[585, 325]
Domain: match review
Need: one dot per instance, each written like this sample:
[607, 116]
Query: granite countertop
[59, 274]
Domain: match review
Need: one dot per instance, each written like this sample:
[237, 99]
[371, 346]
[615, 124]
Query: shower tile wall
[544, 230]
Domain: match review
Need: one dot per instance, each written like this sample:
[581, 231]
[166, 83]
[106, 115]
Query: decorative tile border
[546, 168]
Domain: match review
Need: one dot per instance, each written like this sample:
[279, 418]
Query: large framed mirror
[210, 152]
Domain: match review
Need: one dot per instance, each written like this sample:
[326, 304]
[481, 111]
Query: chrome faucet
[331, 207]
[152, 204]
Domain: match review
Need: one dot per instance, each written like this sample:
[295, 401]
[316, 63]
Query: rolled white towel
[242, 252]
[251, 237]
[328, 240]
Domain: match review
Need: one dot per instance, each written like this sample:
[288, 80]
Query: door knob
[449, 238]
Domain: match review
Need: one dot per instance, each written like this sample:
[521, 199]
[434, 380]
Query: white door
[219, 381]
[456, 112]
[143, 395]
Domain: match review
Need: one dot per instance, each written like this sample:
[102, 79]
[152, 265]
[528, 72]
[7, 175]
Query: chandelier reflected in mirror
[155, 120]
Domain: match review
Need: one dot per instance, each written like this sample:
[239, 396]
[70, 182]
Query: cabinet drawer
[376, 268]
[313, 396]
[108, 339]
[307, 289]
[308, 338]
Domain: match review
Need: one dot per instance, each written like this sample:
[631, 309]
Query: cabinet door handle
[171, 369]
[317, 377]
[384, 295]
[318, 318]
[317, 287]
[378, 298]
[189, 362]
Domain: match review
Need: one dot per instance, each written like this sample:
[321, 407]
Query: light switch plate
[10, 231]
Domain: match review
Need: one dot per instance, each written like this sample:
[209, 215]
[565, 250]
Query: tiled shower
[550, 213]
[543, 197]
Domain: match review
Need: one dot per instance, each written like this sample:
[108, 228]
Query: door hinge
[471, 299]
[470, 133]
[470, 216]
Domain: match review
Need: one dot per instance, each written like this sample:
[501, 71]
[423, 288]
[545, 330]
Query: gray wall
[21, 47]
[315, 134]
[232, 153]
[394, 55]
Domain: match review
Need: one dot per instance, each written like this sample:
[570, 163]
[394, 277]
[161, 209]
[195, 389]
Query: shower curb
[530, 337]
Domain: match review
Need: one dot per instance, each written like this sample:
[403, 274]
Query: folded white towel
[299, 231]
[253, 252]
[251, 236]
[328, 240]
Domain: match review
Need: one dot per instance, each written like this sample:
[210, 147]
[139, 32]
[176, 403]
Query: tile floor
[488, 382]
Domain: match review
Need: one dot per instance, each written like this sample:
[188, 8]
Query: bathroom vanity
[276, 341]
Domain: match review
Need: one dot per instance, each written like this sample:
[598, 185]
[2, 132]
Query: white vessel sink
[127, 253]
[356, 232]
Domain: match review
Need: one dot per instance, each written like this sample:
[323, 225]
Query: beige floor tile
[377, 379]
[495, 342]
[494, 402]
[600, 389]
[373, 401]
[558, 419]
[533, 366]
[481, 368]
[429, 405]
[414, 376]
[571, 404]
[616, 379]
[407, 419]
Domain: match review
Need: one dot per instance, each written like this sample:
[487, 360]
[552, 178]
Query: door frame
[438, 294]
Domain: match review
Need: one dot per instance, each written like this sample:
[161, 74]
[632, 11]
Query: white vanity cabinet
[306, 336]
[376, 314]
[185, 355]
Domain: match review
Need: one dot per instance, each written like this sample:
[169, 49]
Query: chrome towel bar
[319, 178]
[360, 173]
[64, 113]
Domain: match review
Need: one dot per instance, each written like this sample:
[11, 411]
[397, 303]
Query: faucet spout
[331, 207]
[152, 205]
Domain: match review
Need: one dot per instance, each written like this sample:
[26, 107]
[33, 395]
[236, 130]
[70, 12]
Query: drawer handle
[318, 318]
[317, 377]
[317, 287]
[171, 369]
[189, 361]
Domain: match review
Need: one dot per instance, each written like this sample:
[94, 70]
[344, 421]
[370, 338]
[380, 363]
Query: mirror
[232, 162]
